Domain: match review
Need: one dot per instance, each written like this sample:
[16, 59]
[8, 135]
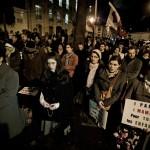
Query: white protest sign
[137, 114]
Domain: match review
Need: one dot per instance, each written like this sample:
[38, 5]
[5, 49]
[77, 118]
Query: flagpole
[95, 15]
[95, 9]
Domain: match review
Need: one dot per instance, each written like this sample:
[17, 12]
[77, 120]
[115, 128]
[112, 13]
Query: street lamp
[94, 28]
[91, 19]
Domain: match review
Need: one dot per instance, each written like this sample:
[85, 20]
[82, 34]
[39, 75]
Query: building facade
[48, 16]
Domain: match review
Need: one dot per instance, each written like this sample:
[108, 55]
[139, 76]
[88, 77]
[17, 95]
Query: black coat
[57, 87]
[102, 83]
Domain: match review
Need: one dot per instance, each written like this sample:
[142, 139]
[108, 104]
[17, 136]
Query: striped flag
[113, 20]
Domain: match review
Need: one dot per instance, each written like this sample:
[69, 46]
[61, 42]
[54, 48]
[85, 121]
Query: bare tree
[80, 22]
[7, 13]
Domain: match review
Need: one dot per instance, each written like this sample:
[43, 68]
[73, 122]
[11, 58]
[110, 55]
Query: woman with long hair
[56, 92]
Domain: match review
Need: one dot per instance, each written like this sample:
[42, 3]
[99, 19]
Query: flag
[113, 20]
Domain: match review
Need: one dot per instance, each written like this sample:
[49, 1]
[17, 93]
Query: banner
[137, 114]
[113, 19]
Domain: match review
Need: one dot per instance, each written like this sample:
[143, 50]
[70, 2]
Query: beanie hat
[97, 51]
[9, 47]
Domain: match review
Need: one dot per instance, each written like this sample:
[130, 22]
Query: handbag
[107, 94]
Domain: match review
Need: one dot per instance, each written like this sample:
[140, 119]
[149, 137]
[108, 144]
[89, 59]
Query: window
[51, 1]
[60, 3]
[50, 14]
[67, 4]
[58, 17]
[21, 14]
[19, 20]
[38, 11]
[66, 18]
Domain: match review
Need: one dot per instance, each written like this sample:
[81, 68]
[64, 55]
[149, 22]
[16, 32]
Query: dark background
[134, 15]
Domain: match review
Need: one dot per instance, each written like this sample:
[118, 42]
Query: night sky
[19, 3]
[135, 14]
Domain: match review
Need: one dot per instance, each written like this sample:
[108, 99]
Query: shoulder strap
[114, 80]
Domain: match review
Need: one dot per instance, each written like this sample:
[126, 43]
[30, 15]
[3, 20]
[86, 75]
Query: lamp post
[95, 29]
[92, 21]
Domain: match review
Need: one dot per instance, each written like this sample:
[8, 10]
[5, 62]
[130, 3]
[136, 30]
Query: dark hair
[116, 58]
[30, 44]
[3, 52]
[133, 47]
[63, 75]
[55, 56]
[70, 44]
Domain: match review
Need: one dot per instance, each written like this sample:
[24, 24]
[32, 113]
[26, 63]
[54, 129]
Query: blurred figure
[131, 65]
[12, 121]
[33, 64]
[140, 90]
[13, 57]
[60, 50]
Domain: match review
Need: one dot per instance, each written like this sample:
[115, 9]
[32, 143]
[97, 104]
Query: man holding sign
[137, 111]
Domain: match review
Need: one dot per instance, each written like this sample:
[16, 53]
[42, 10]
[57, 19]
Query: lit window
[58, 16]
[50, 14]
[60, 3]
[51, 1]
[66, 18]
[21, 14]
[67, 4]
[38, 11]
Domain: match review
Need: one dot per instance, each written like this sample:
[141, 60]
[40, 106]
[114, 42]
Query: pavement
[84, 135]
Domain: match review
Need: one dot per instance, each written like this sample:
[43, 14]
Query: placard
[137, 114]
[29, 91]
[102, 121]
[98, 114]
[93, 110]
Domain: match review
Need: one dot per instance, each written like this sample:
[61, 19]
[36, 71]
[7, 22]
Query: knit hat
[9, 47]
[97, 51]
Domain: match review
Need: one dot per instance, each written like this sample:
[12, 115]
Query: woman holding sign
[109, 85]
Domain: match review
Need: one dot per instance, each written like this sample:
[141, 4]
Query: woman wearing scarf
[109, 86]
[91, 69]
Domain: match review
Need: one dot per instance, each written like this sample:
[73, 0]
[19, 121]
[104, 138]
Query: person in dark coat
[92, 67]
[140, 90]
[109, 85]
[12, 121]
[131, 65]
[33, 64]
[56, 97]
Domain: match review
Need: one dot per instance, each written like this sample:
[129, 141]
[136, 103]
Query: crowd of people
[105, 72]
